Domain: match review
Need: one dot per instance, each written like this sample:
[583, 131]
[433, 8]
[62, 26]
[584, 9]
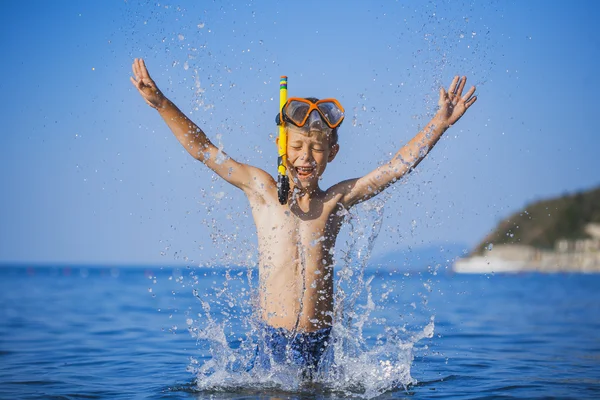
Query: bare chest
[304, 225]
[286, 233]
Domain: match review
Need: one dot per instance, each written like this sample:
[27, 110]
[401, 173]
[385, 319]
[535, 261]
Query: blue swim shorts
[304, 350]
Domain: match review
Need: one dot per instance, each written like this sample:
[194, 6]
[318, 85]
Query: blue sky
[91, 174]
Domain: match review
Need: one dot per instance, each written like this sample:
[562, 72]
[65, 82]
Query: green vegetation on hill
[542, 223]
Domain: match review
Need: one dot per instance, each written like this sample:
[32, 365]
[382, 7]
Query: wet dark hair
[333, 137]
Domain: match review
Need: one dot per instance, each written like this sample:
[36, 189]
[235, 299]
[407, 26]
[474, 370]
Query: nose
[307, 155]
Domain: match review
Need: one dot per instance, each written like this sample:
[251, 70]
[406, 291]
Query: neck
[304, 192]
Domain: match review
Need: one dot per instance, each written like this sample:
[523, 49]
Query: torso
[296, 244]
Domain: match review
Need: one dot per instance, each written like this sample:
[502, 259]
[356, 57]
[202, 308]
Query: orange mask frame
[311, 107]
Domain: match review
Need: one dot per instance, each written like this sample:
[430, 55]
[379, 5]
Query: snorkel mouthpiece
[283, 188]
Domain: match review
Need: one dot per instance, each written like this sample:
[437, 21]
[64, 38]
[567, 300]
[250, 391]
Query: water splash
[366, 355]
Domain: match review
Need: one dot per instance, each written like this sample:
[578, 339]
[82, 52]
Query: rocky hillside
[542, 223]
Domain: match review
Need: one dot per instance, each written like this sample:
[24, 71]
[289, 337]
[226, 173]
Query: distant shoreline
[507, 258]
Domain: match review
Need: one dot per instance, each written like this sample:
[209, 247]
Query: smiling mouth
[304, 172]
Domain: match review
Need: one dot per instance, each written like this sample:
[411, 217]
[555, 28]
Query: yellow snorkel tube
[283, 183]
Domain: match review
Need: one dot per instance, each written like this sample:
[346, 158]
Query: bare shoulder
[259, 184]
[341, 192]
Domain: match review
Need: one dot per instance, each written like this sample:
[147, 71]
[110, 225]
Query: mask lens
[331, 113]
[296, 111]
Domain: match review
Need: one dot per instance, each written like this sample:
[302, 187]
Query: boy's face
[308, 152]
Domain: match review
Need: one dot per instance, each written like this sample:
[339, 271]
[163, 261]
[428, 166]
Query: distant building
[593, 230]
[580, 255]
[581, 245]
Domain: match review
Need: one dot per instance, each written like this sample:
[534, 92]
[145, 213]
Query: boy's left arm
[452, 106]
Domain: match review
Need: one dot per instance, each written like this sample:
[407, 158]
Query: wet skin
[296, 240]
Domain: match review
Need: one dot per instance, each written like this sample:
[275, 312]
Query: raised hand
[145, 85]
[452, 103]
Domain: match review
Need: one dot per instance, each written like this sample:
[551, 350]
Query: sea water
[72, 332]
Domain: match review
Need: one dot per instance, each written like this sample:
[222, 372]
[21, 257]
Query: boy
[296, 239]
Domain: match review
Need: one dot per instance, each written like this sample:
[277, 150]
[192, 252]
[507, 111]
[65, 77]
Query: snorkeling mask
[299, 111]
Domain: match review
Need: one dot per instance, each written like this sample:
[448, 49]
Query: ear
[333, 152]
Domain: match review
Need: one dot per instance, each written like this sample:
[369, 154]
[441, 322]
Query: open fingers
[470, 102]
[468, 95]
[136, 83]
[143, 69]
[134, 69]
[140, 73]
[444, 98]
[138, 68]
[442, 95]
[452, 88]
[461, 86]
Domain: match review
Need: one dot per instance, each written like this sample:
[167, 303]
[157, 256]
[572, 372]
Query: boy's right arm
[243, 176]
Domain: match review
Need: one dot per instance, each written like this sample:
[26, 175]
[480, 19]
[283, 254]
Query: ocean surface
[71, 332]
